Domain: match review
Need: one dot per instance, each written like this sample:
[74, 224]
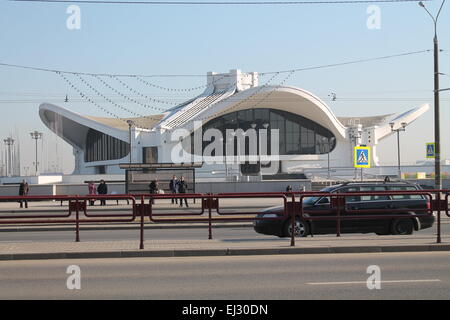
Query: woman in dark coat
[102, 189]
[182, 188]
[23, 191]
[154, 186]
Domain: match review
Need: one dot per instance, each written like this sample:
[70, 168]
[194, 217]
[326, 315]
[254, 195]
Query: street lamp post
[354, 137]
[328, 142]
[9, 142]
[265, 125]
[258, 150]
[224, 155]
[437, 138]
[36, 136]
[402, 128]
[130, 125]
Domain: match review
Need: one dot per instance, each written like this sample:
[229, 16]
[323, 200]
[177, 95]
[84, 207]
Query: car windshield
[313, 200]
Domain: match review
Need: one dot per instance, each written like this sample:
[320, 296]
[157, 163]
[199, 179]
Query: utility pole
[437, 134]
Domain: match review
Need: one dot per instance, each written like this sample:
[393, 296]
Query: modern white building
[310, 135]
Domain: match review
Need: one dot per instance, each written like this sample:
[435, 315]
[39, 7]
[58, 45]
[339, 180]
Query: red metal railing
[293, 206]
[210, 202]
[75, 204]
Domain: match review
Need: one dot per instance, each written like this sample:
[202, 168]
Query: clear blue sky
[143, 39]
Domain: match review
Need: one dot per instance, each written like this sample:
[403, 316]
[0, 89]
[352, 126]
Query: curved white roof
[217, 101]
[72, 126]
[290, 99]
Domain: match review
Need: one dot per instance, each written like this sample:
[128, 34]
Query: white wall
[35, 190]
[266, 186]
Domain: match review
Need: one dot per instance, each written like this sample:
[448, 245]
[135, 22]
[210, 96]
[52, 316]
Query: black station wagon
[401, 204]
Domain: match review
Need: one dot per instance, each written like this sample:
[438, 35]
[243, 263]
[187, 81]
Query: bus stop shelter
[139, 175]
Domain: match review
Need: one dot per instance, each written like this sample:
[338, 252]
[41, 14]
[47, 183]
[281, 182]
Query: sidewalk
[220, 247]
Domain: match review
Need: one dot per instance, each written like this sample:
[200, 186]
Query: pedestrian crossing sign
[431, 150]
[362, 157]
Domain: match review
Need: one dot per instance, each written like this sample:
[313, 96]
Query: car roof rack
[378, 182]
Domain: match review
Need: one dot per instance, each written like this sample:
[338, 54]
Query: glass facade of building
[297, 135]
[102, 147]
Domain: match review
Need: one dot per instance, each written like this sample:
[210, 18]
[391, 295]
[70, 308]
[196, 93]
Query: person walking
[154, 186]
[102, 189]
[92, 191]
[173, 186]
[289, 188]
[23, 191]
[182, 188]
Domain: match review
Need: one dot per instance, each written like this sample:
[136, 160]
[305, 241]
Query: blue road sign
[431, 151]
[362, 157]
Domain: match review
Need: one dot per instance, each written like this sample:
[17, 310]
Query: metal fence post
[338, 214]
[141, 245]
[209, 201]
[438, 200]
[77, 218]
[292, 220]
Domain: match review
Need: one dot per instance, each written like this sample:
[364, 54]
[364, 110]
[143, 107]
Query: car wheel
[301, 228]
[402, 226]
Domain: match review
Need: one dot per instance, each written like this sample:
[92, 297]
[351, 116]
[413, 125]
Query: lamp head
[421, 4]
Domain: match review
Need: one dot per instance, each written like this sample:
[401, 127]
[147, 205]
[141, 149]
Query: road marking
[383, 281]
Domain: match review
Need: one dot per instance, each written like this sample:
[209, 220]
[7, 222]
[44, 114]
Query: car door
[351, 203]
[320, 210]
[371, 205]
[408, 202]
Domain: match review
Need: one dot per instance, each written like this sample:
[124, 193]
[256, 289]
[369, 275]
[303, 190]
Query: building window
[102, 147]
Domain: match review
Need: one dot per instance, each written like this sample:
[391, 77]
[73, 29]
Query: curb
[222, 252]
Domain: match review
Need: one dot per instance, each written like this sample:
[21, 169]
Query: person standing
[153, 186]
[102, 189]
[173, 186]
[92, 191]
[182, 188]
[23, 191]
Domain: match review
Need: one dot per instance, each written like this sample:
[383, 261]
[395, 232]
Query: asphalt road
[229, 234]
[424, 275]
